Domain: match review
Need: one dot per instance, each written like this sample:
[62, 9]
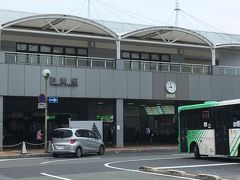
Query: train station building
[108, 71]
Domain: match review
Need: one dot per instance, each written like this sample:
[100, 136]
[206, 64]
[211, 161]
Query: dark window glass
[93, 135]
[165, 57]
[21, 47]
[135, 55]
[70, 51]
[145, 56]
[126, 55]
[57, 50]
[82, 52]
[155, 57]
[83, 133]
[45, 49]
[63, 133]
[33, 48]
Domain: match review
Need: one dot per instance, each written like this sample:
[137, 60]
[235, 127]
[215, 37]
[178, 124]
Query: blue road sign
[52, 99]
[41, 98]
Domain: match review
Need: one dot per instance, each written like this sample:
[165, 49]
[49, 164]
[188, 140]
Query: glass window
[70, 51]
[135, 55]
[33, 48]
[83, 133]
[82, 52]
[45, 49]
[155, 57]
[165, 57]
[21, 47]
[145, 56]
[62, 133]
[126, 55]
[57, 50]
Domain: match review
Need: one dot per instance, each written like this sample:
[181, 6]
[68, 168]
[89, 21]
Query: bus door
[221, 117]
[183, 132]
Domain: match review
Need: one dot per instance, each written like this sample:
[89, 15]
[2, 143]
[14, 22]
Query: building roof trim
[56, 20]
[226, 45]
[171, 30]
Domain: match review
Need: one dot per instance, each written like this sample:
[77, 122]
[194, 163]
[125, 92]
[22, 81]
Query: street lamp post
[46, 73]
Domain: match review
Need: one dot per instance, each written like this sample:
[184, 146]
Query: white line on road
[137, 171]
[62, 160]
[57, 177]
[193, 166]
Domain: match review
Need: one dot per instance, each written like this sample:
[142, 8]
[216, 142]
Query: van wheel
[55, 155]
[101, 150]
[196, 151]
[78, 152]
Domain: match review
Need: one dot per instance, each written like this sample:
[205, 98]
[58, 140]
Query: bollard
[24, 149]
[49, 146]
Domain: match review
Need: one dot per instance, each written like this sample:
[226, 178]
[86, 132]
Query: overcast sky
[209, 15]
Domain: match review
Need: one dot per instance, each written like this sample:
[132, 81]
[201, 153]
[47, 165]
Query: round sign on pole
[42, 98]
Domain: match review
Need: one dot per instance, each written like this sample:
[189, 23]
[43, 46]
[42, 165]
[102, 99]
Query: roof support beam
[53, 23]
[161, 37]
[53, 26]
[180, 37]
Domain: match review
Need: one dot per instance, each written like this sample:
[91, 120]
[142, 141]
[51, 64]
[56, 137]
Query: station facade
[131, 80]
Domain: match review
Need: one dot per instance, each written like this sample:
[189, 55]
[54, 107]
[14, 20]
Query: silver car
[76, 141]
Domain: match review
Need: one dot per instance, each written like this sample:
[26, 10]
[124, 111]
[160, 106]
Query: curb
[180, 173]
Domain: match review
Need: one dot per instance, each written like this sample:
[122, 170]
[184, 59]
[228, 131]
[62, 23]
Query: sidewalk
[9, 154]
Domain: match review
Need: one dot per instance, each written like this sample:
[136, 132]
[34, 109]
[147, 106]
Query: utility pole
[177, 9]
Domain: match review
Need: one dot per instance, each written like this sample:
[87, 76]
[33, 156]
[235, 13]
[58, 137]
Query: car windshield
[62, 133]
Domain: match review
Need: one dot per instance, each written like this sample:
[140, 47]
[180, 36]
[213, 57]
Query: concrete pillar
[1, 122]
[213, 56]
[119, 61]
[119, 123]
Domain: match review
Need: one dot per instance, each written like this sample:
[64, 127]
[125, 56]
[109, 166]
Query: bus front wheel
[196, 151]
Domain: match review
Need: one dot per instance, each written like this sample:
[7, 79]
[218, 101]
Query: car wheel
[101, 150]
[55, 155]
[196, 151]
[78, 152]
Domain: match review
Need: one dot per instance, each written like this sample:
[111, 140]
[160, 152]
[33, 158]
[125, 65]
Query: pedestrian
[39, 136]
[148, 135]
[136, 135]
[110, 135]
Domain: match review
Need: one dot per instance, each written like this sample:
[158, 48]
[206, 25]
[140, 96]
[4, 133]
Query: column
[119, 61]
[1, 122]
[213, 56]
[119, 123]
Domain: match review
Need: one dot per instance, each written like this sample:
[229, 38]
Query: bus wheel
[196, 151]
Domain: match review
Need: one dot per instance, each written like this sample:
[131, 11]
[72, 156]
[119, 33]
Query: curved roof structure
[58, 24]
[169, 35]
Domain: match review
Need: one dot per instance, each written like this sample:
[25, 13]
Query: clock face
[171, 87]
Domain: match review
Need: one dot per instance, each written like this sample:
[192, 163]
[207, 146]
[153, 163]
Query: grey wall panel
[64, 91]
[205, 87]
[16, 80]
[52, 90]
[92, 83]
[32, 80]
[216, 88]
[133, 85]
[80, 90]
[120, 84]
[227, 87]
[158, 87]
[145, 85]
[236, 87]
[106, 83]
[194, 87]
[3, 79]
[182, 91]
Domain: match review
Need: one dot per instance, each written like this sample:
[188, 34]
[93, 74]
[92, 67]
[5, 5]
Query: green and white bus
[211, 128]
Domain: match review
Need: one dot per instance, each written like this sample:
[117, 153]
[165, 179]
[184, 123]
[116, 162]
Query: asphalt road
[113, 166]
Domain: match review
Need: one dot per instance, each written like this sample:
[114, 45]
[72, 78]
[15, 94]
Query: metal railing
[139, 65]
[229, 70]
[58, 60]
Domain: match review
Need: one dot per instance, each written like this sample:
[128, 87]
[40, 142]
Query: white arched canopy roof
[168, 35]
[228, 46]
[57, 24]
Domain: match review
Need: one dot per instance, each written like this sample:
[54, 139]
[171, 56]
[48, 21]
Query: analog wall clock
[171, 87]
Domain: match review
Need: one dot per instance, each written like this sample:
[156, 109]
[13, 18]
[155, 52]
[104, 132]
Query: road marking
[18, 159]
[62, 160]
[193, 166]
[57, 177]
[137, 171]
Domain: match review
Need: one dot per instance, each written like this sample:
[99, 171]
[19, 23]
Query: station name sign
[64, 82]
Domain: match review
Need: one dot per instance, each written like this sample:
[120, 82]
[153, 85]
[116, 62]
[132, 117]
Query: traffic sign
[53, 99]
[42, 105]
[41, 98]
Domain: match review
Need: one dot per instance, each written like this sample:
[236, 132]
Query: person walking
[110, 135]
[39, 136]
